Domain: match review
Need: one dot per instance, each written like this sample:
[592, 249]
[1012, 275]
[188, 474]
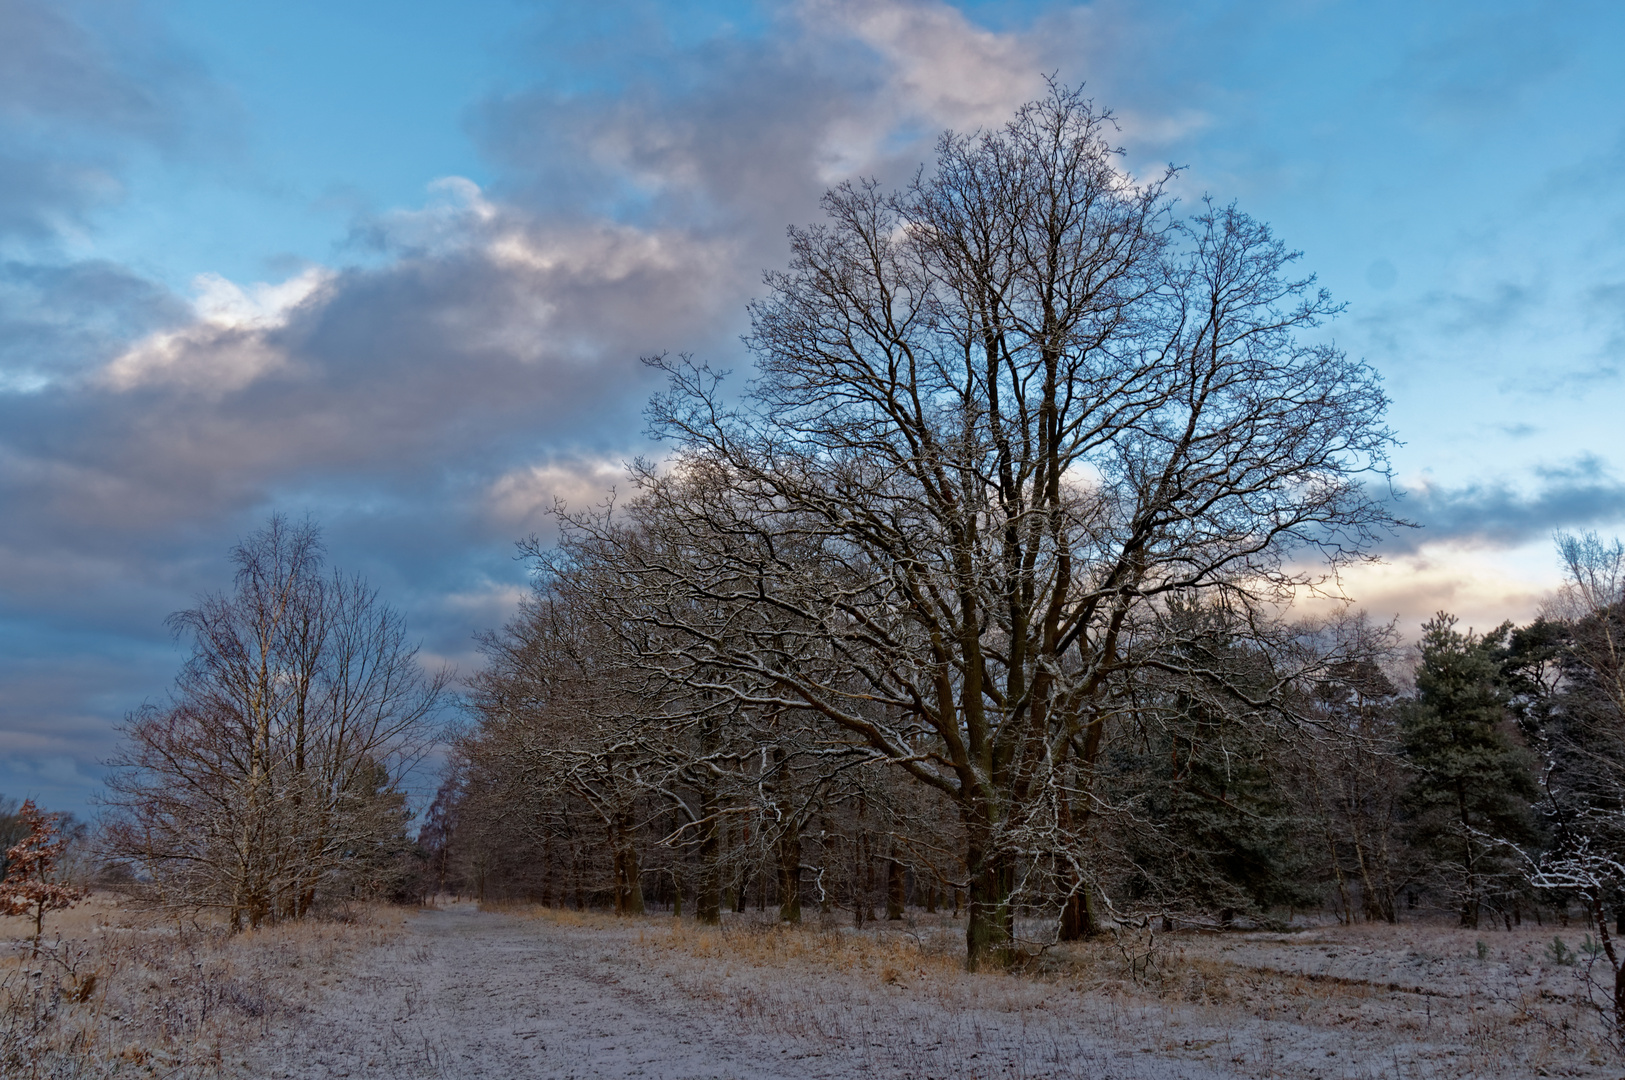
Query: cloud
[512, 336]
[227, 347]
[938, 67]
[1483, 587]
[1579, 494]
[492, 329]
[521, 499]
[743, 131]
[457, 364]
[1477, 67]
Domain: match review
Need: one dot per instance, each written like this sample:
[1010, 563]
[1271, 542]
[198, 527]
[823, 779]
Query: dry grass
[1423, 1000]
[119, 990]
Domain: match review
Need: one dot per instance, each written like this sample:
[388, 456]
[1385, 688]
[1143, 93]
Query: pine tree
[1474, 784]
[1223, 836]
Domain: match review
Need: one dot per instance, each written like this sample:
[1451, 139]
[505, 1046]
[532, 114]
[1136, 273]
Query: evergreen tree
[1207, 779]
[1224, 836]
[1474, 782]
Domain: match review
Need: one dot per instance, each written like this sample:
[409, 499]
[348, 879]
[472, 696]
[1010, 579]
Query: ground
[458, 991]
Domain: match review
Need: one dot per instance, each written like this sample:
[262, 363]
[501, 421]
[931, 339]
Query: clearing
[460, 992]
[538, 993]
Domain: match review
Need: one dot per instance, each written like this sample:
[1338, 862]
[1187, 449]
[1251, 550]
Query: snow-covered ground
[474, 994]
[118, 991]
[468, 993]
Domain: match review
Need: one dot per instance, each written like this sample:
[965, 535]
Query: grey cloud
[57, 320]
[1578, 495]
[742, 134]
[1605, 305]
[1502, 304]
[1480, 65]
[98, 64]
[434, 363]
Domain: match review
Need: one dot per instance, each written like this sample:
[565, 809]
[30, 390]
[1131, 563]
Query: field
[117, 991]
[459, 991]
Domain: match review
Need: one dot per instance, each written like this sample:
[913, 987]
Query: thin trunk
[1469, 905]
[708, 896]
[1077, 915]
[1599, 919]
[790, 873]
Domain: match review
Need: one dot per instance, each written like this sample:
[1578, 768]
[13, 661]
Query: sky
[393, 266]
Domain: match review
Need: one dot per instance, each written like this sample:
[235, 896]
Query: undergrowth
[118, 991]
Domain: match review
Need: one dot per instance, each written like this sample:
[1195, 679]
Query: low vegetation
[118, 989]
[1419, 999]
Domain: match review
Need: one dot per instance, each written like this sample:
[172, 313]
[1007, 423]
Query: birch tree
[271, 775]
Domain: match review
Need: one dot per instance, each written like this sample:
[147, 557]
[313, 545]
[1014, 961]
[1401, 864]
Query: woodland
[982, 596]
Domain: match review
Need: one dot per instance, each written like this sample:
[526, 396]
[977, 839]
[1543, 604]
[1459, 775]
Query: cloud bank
[428, 395]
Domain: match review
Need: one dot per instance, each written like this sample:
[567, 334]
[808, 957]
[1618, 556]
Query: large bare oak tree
[1009, 428]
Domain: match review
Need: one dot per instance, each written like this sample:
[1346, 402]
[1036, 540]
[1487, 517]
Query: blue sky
[393, 264]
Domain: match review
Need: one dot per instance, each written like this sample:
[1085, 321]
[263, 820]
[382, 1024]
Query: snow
[466, 993]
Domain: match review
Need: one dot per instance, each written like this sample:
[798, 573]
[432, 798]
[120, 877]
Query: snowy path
[466, 994]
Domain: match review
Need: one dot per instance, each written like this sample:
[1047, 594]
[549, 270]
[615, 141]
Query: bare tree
[1584, 740]
[1005, 423]
[272, 774]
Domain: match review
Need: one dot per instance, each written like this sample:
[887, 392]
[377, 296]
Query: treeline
[1471, 773]
[976, 598]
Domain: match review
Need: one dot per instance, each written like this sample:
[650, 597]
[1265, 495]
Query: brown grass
[116, 989]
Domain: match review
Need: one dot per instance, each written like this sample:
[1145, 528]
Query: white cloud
[945, 68]
[1482, 586]
[522, 498]
[940, 71]
[455, 208]
[226, 348]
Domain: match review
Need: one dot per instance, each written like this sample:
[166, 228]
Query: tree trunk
[628, 874]
[790, 872]
[987, 932]
[708, 896]
[1078, 915]
[1469, 902]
